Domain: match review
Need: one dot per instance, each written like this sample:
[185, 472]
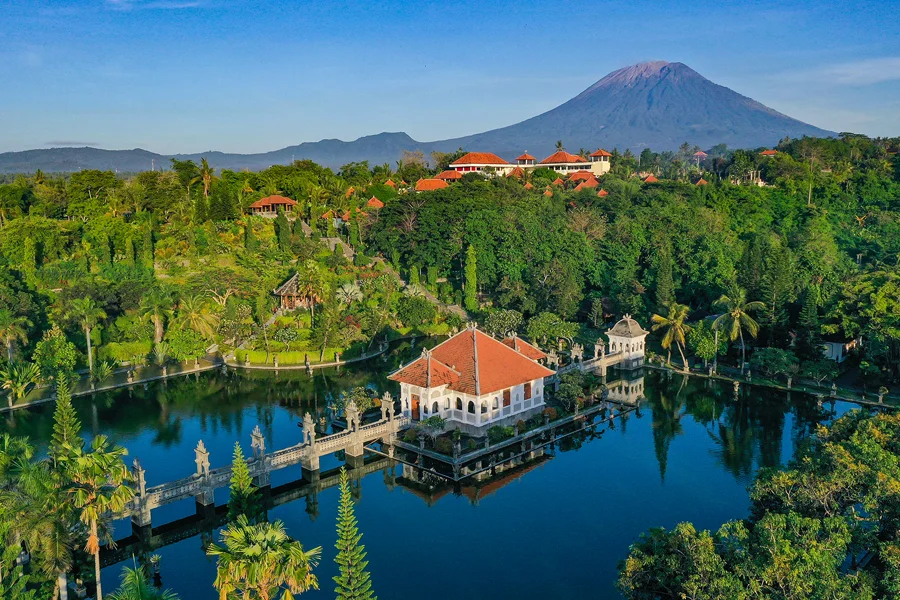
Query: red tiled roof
[601, 152]
[523, 347]
[273, 201]
[349, 192]
[526, 156]
[587, 183]
[562, 157]
[528, 186]
[390, 183]
[558, 181]
[651, 179]
[498, 367]
[479, 158]
[580, 176]
[602, 193]
[548, 192]
[427, 185]
[403, 182]
[701, 153]
[328, 215]
[769, 152]
[448, 174]
[518, 172]
[346, 215]
[375, 203]
[702, 182]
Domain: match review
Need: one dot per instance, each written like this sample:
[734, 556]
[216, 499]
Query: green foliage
[353, 582]
[137, 586]
[55, 355]
[502, 322]
[805, 522]
[415, 311]
[665, 286]
[244, 497]
[571, 390]
[471, 279]
[360, 396]
[820, 369]
[548, 327]
[186, 344]
[773, 361]
[497, 433]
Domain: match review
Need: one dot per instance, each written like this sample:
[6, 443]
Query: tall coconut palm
[194, 313]
[259, 561]
[136, 586]
[157, 307]
[16, 378]
[98, 488]
[675, 329]
[12, 329]
[312, 285]
[736, 319]
[87, 313]
[205, 175]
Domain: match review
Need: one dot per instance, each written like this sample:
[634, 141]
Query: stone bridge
[145, 540]
[202, 485]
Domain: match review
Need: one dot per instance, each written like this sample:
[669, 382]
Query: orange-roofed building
[349, 192]
[525, 160]
[701, 181]
[346, 216]
[580, 176]
[517, 172]
[481, 162]
[473, 380]
[651, 179]
[587, 184]
[769, 152]
[558, 181]
[269, 205]
[602, 193]
[528, 186]
[449, 175]
[375, 203]
[600, 161]
[429, 185]
[565, 162]
[390, 184]
[548, 192]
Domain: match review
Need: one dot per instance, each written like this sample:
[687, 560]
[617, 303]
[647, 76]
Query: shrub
[443, 445]
[497, 434]
[521, 425]
[415, 311]
[410, 436]
[471, 445]
[551, 413]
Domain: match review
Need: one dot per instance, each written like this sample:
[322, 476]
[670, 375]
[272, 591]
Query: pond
[554, 529]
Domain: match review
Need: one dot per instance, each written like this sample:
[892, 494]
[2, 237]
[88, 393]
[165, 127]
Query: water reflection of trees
[747, 431]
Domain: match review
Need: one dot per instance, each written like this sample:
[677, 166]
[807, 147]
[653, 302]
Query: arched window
[471, 407]
[447, 404]
[496, 403]
[425, 408]
[434, 407]
[459, 404]
[483, 407]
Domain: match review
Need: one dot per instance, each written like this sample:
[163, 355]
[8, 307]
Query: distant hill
[654, 104]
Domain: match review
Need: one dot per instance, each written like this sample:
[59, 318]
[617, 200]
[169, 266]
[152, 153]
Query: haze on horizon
[195, 75]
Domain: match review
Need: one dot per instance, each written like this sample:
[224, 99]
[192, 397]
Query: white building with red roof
[560, 161]
[474, 380]
[481, 162]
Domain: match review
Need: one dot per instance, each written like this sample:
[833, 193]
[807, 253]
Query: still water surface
[556, 531]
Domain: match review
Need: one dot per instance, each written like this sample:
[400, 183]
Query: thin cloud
[126, 5]
[861, 72]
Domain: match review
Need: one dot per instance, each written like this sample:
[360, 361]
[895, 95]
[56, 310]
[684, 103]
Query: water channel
[554, 529]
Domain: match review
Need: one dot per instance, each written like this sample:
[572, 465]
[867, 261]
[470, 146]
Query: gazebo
[269, 205]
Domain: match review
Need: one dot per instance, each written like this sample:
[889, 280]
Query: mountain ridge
[655, 104]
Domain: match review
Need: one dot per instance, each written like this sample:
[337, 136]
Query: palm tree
[312, 286]
[559, 145]
[736, 319]
[157, 306]
[98, 488]
[12, 329]
[194, 313]
[349, 293]
[258, 561]
[87, 313]
[675, 329]
[16, 378]
[205, 175]
[136, 586]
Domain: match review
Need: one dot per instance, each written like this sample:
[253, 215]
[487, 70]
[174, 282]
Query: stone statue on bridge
[202, 459]
[309, 430]
[352, 414]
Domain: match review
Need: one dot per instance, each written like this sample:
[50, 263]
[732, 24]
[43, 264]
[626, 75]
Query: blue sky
[242, 76]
